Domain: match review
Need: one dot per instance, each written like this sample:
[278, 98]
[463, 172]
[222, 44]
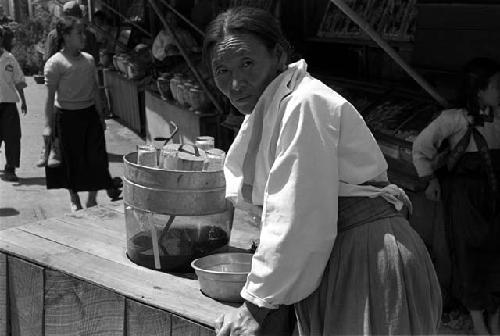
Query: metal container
[222, 276]
[173, 192]
[173, 216]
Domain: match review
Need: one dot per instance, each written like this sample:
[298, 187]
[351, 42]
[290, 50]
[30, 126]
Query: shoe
[114, 193]
[42, 161]
[75, 207]
[54, 159]
[10, 176]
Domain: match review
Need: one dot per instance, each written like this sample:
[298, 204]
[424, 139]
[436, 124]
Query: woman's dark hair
[64, 26]
[476, 77]
[244, 20]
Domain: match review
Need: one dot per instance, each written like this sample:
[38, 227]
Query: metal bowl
[223, 275]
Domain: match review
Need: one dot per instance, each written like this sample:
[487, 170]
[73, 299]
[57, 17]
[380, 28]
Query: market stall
[71, 275]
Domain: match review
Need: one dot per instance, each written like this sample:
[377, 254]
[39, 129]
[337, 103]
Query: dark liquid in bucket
[178, 247]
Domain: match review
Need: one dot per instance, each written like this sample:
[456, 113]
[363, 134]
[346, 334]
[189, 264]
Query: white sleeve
[299, 220]
[427, 143]
[18, 73]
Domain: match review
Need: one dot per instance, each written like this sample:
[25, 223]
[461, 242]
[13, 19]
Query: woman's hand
[47, 131]
[433, 191]
[24, 108]
[237, 323]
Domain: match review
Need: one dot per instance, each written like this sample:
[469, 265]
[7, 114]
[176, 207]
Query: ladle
[172, 134]
[166, 140]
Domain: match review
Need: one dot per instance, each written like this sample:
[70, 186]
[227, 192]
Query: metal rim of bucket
[138, 166]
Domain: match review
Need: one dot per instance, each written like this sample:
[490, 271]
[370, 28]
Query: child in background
[468, 186]
[11, 80]
[73, 109]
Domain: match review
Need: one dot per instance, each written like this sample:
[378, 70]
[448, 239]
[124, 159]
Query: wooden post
[12, 9]
[363, 24]
[4, 292]
[30, 9]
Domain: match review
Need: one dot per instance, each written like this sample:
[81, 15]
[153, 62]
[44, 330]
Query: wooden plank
[75, 307]
[26, 283]
[3, 295]
[171, 292]
[183, 327]
[145, 320]
[206, 331]
[100, 243]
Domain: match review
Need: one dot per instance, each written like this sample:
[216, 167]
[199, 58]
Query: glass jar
[173, 217]
[215, 160]
[146, 156]
[163, 85]
[205, 142]
[187, 85]
[187, 238]
[174, 83]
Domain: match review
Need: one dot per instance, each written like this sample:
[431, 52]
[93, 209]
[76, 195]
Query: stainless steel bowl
[223, 275]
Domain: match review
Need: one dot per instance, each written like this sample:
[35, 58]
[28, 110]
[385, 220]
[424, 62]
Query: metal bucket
[174, 217]
[172, 192]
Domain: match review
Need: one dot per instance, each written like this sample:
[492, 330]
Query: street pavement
[28, 200]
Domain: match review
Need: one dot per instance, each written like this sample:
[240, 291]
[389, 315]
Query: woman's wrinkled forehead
[235, 45]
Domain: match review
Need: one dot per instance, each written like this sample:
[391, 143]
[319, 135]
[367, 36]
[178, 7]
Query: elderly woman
[335, 241]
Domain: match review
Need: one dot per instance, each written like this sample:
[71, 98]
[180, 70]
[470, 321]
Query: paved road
[28, 200]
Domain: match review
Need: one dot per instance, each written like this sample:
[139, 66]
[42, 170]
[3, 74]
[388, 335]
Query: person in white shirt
[465, 177]
[335, 243]
[12, 83]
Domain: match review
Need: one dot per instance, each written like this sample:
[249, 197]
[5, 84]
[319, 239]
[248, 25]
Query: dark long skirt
[379, 280]
[473, 232]
[84, 159]
[10, 133]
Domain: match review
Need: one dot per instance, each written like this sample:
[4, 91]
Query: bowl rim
[196, 268]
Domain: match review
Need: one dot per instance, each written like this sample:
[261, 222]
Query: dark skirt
[473, 232]
[83, 149]
[379, 278]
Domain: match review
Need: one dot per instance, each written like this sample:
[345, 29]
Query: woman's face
[242, 67]
[490, 96]
[76, 38]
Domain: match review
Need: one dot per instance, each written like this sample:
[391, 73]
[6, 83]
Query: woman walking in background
[469, 189]
[73, 113]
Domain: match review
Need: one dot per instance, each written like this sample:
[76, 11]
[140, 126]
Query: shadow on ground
[28, 181]
[7, 212]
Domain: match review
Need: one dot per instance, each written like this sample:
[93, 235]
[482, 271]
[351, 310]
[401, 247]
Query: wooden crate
[126, 99]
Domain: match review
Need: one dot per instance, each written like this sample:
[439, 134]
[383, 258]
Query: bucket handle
[196, 150]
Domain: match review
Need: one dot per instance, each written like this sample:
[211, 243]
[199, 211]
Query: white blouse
[451, 125]
[306, 146]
